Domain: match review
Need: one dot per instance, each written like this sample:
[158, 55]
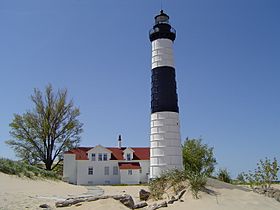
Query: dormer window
[128, 156]
[99, 153]
[99, 156]
[93, 157]
[105, 157]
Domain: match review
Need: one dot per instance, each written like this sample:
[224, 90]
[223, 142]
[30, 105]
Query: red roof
[80, 152]
[129, 165]
[140, 153]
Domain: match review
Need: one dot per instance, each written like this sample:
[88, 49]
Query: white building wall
[145, 170]
[70, 168]
[98, 176]
[166, 149]
[130, 179]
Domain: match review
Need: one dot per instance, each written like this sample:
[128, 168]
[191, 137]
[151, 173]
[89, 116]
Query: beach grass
[22, 169]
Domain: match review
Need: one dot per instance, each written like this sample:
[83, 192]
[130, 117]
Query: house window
[100, 157]
[115, 170]
[90, 170]
[93, 157]
[106, 170]
[105, 157]
[140, 171]
[129, 172]
[128, 156]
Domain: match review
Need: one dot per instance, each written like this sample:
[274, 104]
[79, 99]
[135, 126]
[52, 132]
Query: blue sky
[227, 56]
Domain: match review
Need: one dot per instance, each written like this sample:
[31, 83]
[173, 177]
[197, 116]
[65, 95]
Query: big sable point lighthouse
[166, 150]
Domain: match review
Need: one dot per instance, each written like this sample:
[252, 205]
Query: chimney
[120, 142]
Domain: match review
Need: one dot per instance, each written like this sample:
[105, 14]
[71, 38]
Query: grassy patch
[173, 181]
[24, 170]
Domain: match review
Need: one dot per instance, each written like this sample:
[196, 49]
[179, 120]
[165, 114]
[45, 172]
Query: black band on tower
[164, 95]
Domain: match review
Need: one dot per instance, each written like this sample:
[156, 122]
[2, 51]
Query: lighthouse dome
[161, 18]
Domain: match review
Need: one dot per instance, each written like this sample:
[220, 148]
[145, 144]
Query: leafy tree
[264, 174]
[223, 175]
[198, 158]
[26, 155]
[47, 131]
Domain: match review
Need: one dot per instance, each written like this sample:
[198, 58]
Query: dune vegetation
[22, 169]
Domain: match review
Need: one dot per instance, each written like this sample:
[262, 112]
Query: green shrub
[169, 180]
[22, 169]
[197, 182]
[199, 162]
[198, 157]
[157, 187]
[223, 175]
[177, 181]
[240, 178]
[264, 175]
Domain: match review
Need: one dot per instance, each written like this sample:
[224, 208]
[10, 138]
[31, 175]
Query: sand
[22, 193]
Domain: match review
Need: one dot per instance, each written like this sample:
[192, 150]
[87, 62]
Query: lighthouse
[165, 139]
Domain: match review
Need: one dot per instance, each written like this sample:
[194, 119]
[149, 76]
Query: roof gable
[128, 150]
[99, 148]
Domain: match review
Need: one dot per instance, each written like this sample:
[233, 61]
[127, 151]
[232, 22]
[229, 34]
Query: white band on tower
[162, 53]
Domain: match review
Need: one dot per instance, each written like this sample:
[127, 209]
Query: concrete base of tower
[166, 149]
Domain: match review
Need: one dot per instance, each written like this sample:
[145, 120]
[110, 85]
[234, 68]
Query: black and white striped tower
[166, 150]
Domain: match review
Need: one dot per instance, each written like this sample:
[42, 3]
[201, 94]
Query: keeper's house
[106, 165]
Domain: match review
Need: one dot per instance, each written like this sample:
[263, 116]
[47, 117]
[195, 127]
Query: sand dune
[22, 193]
